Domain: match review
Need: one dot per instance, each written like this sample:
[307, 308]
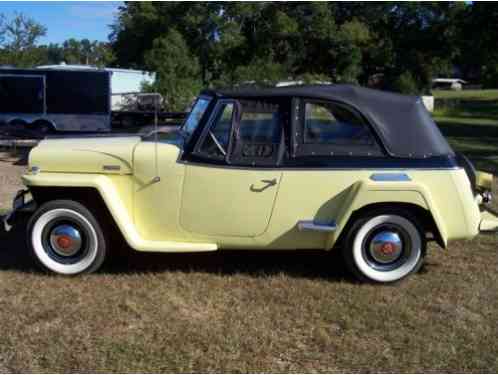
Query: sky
[65, 20]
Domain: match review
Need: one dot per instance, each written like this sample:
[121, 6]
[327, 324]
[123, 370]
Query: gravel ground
[13, 163]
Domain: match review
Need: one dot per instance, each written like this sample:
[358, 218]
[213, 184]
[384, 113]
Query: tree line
[19, 46]
[391, 45]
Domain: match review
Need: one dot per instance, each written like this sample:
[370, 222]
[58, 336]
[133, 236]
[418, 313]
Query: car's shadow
[312, 264]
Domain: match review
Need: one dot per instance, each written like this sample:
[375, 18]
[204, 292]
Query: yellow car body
[162, 201]
[203, 208]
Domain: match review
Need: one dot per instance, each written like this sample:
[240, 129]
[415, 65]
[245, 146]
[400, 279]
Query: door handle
[268, 183]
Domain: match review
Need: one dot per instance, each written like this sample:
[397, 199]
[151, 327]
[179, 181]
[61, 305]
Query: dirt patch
[13, 164]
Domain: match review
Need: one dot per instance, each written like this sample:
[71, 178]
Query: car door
[231, 184]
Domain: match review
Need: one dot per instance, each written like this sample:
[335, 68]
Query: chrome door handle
[268, 183]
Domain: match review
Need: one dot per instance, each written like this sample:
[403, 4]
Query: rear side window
[324, 128]
[333, 124]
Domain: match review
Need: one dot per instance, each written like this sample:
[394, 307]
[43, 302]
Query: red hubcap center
[64, 242]
[388, 248]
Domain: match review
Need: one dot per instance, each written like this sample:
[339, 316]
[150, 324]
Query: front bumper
[21, 205]
[489, 216]
[489, 220]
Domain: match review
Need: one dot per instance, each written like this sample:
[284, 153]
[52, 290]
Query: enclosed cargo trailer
[56, 100]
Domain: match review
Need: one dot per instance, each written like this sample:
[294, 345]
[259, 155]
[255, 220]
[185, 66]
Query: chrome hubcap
[386, 247]
[65, 240]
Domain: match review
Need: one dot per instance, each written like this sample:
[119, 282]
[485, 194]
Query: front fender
[116, 191]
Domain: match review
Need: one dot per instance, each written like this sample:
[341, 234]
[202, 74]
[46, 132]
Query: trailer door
[22, 93]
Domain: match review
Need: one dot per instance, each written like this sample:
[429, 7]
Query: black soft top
[401, 121]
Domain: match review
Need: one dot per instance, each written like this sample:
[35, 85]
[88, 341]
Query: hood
[109, 155]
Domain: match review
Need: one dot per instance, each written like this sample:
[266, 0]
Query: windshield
[195, 116]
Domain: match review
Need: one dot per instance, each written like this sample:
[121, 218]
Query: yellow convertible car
[306, 167]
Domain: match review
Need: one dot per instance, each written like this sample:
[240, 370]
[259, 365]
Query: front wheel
[385, 246]
[65, 238]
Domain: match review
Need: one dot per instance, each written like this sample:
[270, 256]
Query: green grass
[469, 120]
[480, 95]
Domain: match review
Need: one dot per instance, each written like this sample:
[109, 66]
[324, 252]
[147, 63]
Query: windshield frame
[186, 134]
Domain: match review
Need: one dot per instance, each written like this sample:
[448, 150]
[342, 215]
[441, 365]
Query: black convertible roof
[402, 122]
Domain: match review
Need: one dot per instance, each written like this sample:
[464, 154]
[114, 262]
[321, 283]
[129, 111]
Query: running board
[310, 225]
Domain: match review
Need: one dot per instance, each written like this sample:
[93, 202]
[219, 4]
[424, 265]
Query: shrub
[406, 84]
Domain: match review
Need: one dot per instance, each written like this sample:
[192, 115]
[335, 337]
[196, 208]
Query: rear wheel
[385, 246]
[65, 238]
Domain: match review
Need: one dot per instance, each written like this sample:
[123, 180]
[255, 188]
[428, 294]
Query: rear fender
[364, 193]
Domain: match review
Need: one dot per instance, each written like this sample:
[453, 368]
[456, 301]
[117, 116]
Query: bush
[490, 77]
[406, 84]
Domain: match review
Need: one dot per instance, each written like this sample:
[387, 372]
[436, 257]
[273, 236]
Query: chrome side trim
[111, 167]
[390, 177]
[310, 225]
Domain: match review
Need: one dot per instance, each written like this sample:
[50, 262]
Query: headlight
[487, 197]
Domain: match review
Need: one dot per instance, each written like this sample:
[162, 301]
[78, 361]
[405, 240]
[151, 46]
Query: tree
[85, 52]
[478, 56]
[18, 43]
[177, 70]
[266, 42]
[260, 41]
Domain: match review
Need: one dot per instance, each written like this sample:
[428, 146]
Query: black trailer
[56, 100]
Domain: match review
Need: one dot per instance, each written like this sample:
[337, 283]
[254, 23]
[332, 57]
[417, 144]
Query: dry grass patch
[247, 312]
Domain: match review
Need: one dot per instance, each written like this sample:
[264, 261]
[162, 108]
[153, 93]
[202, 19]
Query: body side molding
[310, 225]
[390, 177]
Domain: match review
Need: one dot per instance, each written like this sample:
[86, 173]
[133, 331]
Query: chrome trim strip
[310, 225]
[111, 167]
[390, 177]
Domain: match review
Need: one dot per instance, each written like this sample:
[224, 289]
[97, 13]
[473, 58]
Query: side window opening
[332, 124]
[245, 132]
[259, 133]
[216, 142]
[325, 128]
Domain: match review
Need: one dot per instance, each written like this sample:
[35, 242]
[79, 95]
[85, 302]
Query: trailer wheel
[42, 128]
[127, 122]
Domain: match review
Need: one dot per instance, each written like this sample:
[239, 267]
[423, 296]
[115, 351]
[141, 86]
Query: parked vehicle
[143, 110]
[305, 167]
[47, 100]
[131, 108]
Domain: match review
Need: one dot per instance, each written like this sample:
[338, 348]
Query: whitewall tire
[385, 247]
[65, 238]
